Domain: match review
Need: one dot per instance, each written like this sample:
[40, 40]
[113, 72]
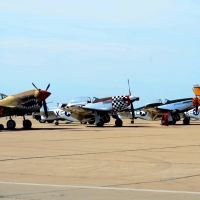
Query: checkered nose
[43, 94]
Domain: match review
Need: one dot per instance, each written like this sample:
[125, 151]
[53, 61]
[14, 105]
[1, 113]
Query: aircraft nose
[43, 94]
[132, 99]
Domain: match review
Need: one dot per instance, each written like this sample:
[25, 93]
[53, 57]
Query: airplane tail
[196, 90]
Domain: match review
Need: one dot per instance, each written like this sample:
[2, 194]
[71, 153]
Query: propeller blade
[48, 87]
[45, 108]
[129, 87]
[35, 86]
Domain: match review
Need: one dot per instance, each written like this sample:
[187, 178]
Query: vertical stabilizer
[196, 90]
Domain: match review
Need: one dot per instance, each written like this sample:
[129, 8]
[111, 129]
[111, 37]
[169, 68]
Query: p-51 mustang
[155, 110]
[98, 110]
[54, 114]
[22, 104]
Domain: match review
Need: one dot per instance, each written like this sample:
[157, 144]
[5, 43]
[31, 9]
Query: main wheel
[1, 126]
[118, 122]
[91, 122]
[100, 124]
[11, 124]
[56, 123]
[27, 124]
[186, 121]
[132, 121]
[50, 121]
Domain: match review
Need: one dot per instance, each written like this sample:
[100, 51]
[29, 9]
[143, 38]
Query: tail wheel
[118, 122]
[27, 124]
[11, 124]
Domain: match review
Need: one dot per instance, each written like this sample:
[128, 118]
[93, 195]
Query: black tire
[1, 126]
[50, 121]
[118, 122]
[27, 124]
[56, 123]
[83, 122]
[91, 122]
[186, 121]
[132, 121]
[100, 124]
[11, 124]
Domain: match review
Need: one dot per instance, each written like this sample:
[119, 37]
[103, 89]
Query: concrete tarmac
[79, 162]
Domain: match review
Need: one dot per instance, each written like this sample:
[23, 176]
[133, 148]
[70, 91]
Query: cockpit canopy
[94, 99]
[166, 101]
[2, 96]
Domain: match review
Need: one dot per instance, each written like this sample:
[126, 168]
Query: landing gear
[118, 122]
[132, 121]
[100, 123]
[91, 122]
[57, 123]
[27, 124]
[1, 127]
[186, 121]
[50, 121]
[11, 124]
[83, 122]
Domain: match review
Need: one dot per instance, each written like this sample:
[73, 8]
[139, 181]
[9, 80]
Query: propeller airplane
[98, 110]
[155, 110]
[22, 104]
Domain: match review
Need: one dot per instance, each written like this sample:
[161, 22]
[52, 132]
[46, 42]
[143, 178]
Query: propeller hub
[132, 99]
[43, 94]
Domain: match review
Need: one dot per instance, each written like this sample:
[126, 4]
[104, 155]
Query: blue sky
[91, 47]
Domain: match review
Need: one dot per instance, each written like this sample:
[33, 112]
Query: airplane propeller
[132, 108]
[44, 94]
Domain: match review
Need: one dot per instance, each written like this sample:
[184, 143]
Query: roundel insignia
[67, 114]
[142, 113]
[194, 112]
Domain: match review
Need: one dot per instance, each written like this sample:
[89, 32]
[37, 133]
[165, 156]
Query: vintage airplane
[22, 104]
[54, 114]
[98, 110]
[155, 110]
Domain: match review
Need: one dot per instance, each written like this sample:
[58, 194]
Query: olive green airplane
[22, 104]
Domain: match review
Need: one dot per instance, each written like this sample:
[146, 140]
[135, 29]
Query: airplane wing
[82, 113]
[155, 110]
[8, 110]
